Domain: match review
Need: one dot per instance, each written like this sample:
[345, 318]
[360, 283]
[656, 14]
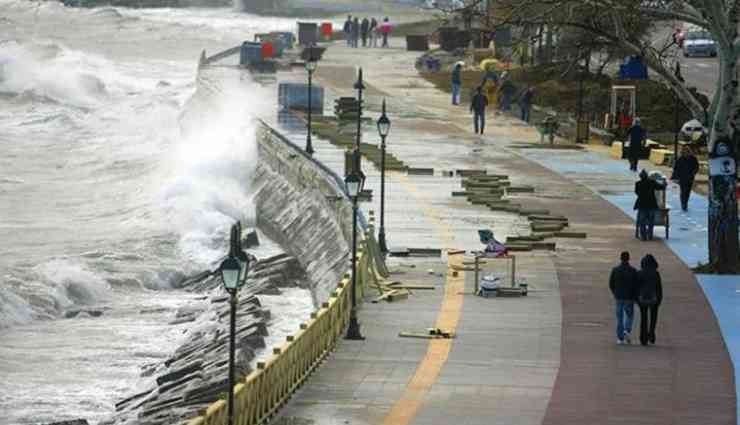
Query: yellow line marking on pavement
[428, 370]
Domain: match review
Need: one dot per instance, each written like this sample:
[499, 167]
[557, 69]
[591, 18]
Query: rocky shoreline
[196, 374]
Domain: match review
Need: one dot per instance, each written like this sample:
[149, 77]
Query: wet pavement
[547, 358]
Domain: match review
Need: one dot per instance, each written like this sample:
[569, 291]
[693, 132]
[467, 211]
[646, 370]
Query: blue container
[250, 53]
[295, 96]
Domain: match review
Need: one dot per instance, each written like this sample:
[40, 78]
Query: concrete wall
[301, 205]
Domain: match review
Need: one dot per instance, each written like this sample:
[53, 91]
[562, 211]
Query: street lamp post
[354, 183]
[676, 107]
[234, 271]
[310, 67]
[384, 126]
[359, 86]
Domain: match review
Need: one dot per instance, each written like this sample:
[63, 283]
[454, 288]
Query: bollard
[476, 266]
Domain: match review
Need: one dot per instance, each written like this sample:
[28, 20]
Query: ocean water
[121, 170]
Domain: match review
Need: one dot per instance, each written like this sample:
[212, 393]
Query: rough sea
[118, 177]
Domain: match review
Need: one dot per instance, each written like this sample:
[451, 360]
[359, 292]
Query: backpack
[648, 294]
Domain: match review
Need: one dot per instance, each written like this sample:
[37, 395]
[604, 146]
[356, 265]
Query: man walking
[684, 171]
[356, 32]
[637, 137]
[525, 102]
[456, 83]
[623, 285]
[478, 108]
[348, 30]
[364, 28]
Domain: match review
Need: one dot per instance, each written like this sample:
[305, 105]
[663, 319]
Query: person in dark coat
[356, 32]
[646, 205]
[456, 83]
[649, 297]
[478, 107]
[507, 90]
[623, 285]
[373, 30]
[637, 137]
[525, 102]
[348, 30]
[364, 31]
[684, 171]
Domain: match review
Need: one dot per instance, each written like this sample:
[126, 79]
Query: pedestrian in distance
[646, 205]
[637, 138]
[456, 83]
[478, 107]
[623, 286]
[684, 171]
[649, 297]
[364, 29]
[385, 30]
[507, 90]
[348, 30]
[356, 32]
[373, 32]
[525, 102]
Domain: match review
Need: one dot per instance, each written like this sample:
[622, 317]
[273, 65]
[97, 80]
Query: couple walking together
[630, 286]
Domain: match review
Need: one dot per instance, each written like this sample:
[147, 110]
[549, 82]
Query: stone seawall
[301, 205]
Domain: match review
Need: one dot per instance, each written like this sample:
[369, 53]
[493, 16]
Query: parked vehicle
[699, 43]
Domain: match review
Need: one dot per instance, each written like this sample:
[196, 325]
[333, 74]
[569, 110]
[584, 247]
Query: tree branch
[676, 15]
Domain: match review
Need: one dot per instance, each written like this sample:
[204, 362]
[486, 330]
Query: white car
[699, 43]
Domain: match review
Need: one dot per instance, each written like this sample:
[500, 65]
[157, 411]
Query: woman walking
[649, 297]
[646, 205]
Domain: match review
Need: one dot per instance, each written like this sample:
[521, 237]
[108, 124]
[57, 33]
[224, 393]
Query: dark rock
[251, 240]
[179, 373]
[71, 422]
[271, 291]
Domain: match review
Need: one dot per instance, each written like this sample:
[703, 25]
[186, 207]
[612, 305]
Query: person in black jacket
[646, 205]
[684, 171]
[649, 297]
[348, 30]
[637, 137]
[623, 285]
[364, 31]
[478, 108]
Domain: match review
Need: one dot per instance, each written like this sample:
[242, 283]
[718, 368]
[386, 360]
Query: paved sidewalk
[686, 378]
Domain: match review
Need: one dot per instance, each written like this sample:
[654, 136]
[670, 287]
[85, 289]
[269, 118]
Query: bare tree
[628, 25]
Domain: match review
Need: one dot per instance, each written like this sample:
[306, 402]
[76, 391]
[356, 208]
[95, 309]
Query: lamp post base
[381, 242]
[309, 146]
[353, 330]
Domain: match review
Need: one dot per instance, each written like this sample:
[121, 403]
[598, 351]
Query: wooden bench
[661, 156]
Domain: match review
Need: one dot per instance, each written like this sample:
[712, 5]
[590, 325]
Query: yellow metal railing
[258, 396]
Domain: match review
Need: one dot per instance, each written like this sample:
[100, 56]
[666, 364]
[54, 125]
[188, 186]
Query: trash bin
[326, 31]
[308, 33]
[250, 53]
[267, 50]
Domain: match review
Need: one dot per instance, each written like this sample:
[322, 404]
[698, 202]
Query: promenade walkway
[548, 358]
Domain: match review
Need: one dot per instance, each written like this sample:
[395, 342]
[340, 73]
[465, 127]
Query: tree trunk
[722, 214]
[540, 37]
[548, 45]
